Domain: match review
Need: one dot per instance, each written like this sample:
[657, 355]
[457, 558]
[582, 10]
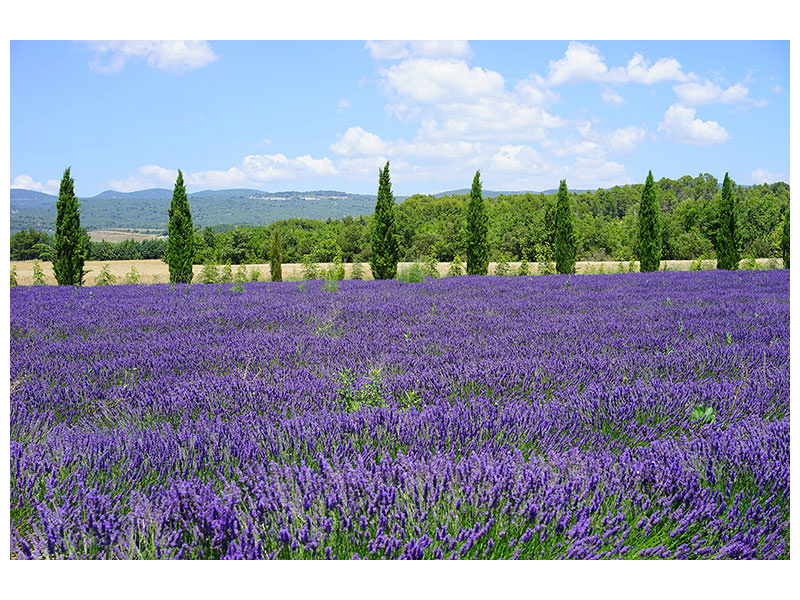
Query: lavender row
[551, 417]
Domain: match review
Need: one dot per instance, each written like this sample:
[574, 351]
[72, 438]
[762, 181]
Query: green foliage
[335, 271]
[456, 267]
[727, 231]
[369, 395]
[311, 270]
[697, 264]
[704, 414]
[477, 231]
[413, 274]
[384, 243]
[14, 276]
[30, 245]
[430, 268]
[523, 269]
[785, 239]
[105, 277]
[276, 257]
[69, 250]
[180, 243]
[357, 271]
[132, 276]
[237, 287]
[255, 274]
[565, 248]
[209, 273]
[502, 269]
[226, 276]
[241, 274]
[38, 275]
[544, 258]
[649, 227]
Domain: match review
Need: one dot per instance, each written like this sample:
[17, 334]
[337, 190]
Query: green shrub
[132, 276]
[14, 276]
[241, 274]
[227, 273]
[502, 269]
[544, 258]
[209, 273]
[38, 275]
[430, 267]
[523, 268]
[413, 274]
[456, 267]
[255, 274]
[311, 270]
[105, 277]
[335, 272]
[357, 271]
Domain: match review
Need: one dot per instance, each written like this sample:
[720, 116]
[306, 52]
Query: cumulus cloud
[625, 139]
[398, 49]
[515, 158]
[696, 93]
[681, 126]
[583, 62]
[764, 176]
[434, 81]
[169, 56]
[26, 182]
[148, 176]
[254, 170]
[358, 142]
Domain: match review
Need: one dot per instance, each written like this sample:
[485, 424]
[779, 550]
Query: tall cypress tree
[477, 231]
[69, 252]
[649, 227]
[180, 243]
[565, 243]
[276, 257]
[385, 249]
[785, 239]
[727, 230]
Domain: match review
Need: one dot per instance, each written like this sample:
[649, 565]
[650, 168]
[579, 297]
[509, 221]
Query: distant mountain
[151, 194]
[148, 209]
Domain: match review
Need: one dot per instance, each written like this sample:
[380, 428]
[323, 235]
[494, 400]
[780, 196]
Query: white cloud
[515, 158]
[169, 56]
[592, 172]
[681, 126]
[442, 81]
[695, 93]
[626, 138]
[344, 104]
[357, 142]
[148, 176]
[764, 176]
[611, 97]
[582, 62]
[26, 182]
[398, 49]
[254, 170]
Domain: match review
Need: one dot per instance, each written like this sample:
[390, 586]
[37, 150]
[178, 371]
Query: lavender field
[635, 415]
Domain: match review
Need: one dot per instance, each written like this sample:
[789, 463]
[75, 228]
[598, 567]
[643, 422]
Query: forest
[521, 226]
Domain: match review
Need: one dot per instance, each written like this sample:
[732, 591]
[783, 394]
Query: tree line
[687, 218]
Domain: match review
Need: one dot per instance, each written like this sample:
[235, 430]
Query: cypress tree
[649, 227]
[180, 243]
[727, 231]
[477, 231]
[565, 243]
[276, 257]
[384, 243]
[69, 251]
[785, 239]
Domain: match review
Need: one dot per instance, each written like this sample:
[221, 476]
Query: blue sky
[306, 115]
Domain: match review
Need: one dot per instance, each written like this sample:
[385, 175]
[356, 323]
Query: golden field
[157, 271]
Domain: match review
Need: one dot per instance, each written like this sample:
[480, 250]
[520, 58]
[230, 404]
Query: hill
[147, 209]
